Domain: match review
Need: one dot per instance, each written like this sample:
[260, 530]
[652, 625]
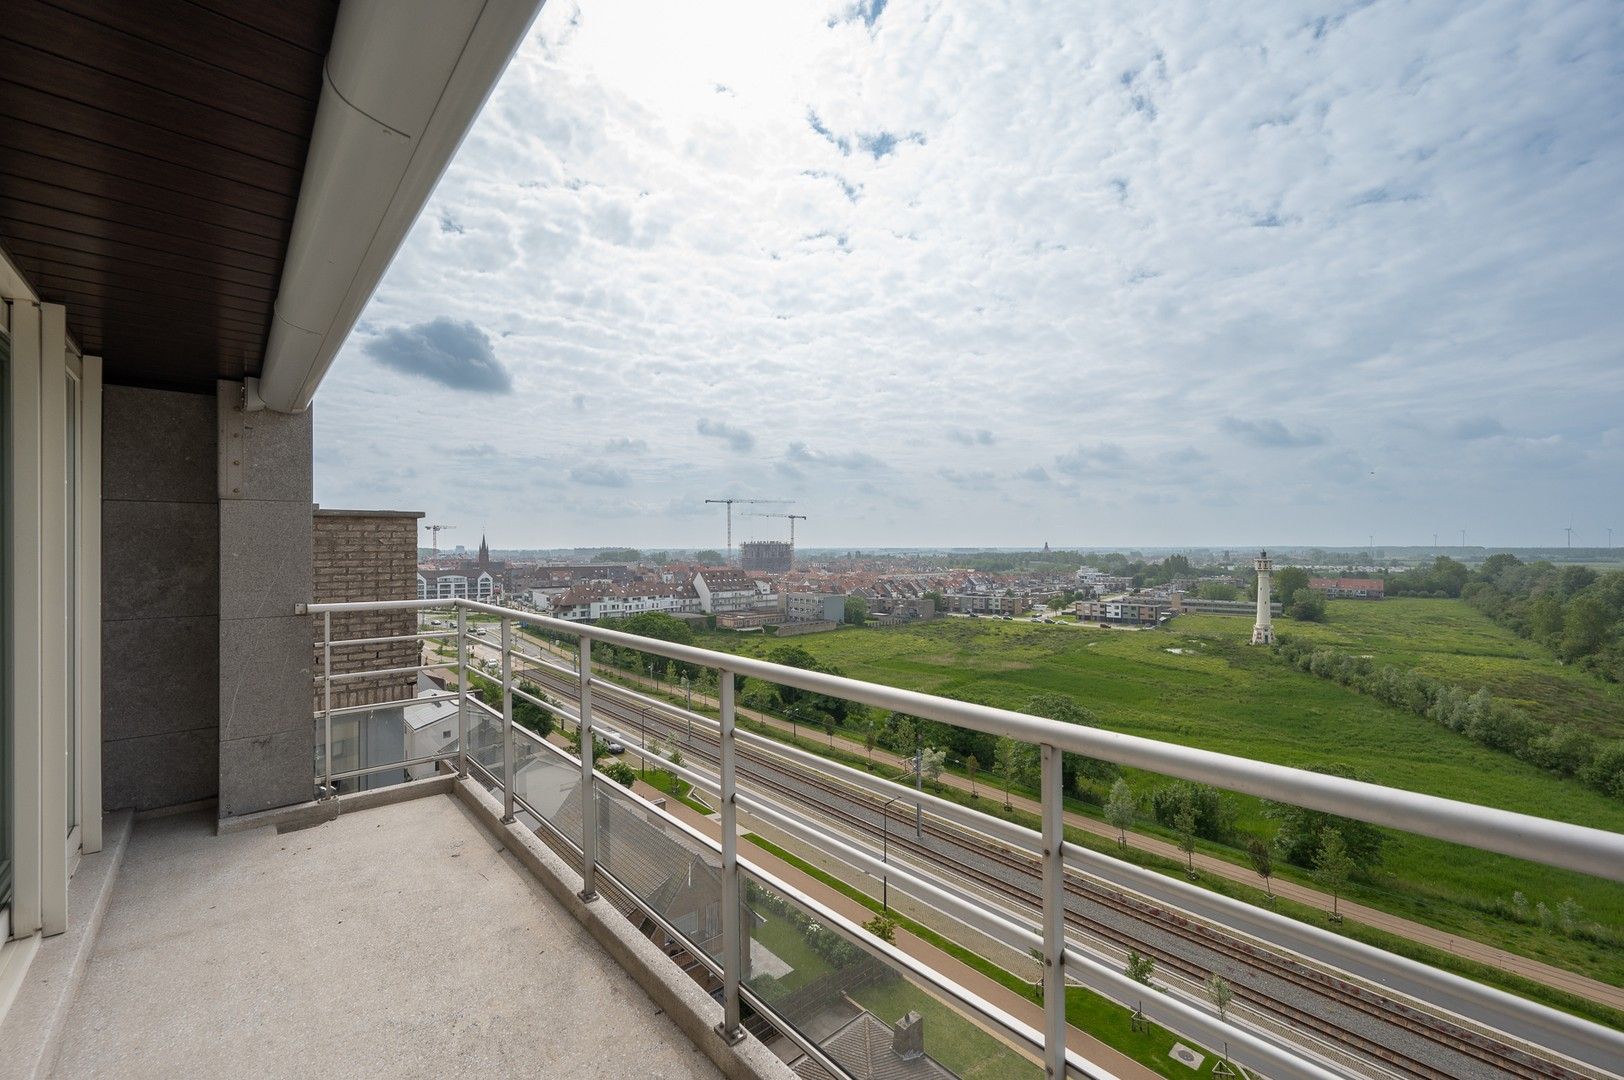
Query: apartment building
[815, 607]
[590, 602]
[726, 591]
[1132, 610]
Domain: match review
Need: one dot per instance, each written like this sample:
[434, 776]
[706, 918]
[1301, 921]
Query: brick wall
[366, 555]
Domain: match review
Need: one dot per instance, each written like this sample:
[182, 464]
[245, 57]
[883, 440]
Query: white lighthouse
[1263, 630]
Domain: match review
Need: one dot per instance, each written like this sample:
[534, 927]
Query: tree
[1184, 826]
[1139, 968]
[972, 766]
[709, 557]
[1258, 851]
[1306, 605]
[871, 735]
[1220, 994]
[1076, 771]
[1121, 808]
[856, 610]
[1217, 590]
[1287, 580]
[1004, 761]
[882, 927]
[931, 761]
[1332, 866]
[938, 601]
[829, 729]
[1300, 831]
[621, 773]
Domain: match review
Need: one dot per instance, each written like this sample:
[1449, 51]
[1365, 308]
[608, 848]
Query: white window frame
[45, 852]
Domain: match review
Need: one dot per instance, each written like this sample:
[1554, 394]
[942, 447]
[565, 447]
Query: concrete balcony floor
[399, 941]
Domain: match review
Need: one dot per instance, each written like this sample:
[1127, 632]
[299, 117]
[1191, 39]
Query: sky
[954, 274]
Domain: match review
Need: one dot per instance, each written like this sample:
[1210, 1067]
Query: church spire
[484, 551]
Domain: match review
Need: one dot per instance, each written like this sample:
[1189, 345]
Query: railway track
[1269, 982]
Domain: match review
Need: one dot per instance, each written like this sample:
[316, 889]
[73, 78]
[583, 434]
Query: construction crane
[729, 504]
[793, 518]
[436, 530]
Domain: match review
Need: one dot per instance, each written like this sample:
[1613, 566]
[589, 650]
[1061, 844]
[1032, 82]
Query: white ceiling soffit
[404, 81]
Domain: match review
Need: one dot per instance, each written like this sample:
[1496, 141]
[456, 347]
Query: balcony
[399, 940]
[784, 961]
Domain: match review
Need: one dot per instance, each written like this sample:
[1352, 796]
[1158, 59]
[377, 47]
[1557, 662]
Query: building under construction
[771, 556]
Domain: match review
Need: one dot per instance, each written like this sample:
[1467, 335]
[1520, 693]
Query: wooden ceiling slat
[137, 319]
[38, 33]
[122, 190]
[76, 279]
[109, 129]
[118, 252]
[204, 35]
[65, 77]
[151, 153]
[93, 302]
[81, 264]
[25, 135]
[305, 23]
[91, 207]
[101, 229]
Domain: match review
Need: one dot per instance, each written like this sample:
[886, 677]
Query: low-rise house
[1345, 588]
[1131, 610]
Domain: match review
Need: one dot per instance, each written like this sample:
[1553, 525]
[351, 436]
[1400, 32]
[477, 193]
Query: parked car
[614, 746]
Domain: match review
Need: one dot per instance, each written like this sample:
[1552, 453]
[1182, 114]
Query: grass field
[1220, 694]
[1448, 639]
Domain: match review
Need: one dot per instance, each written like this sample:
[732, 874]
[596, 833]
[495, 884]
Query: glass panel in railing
[670, 873]
[547, 782]
[861, 1011]
[386, 734]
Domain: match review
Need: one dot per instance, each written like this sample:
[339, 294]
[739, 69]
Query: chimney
[908, 1037]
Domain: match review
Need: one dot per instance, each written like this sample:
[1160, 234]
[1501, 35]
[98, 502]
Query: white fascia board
[403, 83]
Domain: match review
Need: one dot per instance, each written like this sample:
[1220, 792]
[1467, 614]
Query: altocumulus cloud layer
[948, 274]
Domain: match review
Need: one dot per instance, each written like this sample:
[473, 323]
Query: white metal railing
[1559, 844]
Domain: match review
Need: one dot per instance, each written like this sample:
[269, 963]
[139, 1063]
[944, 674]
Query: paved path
[1466, 948]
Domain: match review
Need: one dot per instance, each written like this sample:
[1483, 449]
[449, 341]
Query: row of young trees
[1564, 749]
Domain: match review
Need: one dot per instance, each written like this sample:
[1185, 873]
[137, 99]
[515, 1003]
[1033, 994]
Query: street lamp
[885, 853]
[688, 694]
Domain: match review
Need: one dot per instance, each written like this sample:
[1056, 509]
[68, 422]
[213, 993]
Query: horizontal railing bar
[1554, 843]
[340, 642]
[1290, 934]
[398, 703]
[408, 763]
[880, 949]
[1273, 1060]
[346, 676]
[1280, 932]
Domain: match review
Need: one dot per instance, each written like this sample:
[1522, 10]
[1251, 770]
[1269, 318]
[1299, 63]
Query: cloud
[594, 475]
[1477, 427]
[625, 445]
[1269, 433]
[1117, 263]
[457, 354]
[798, 453]
[977, 478]
[738, 438]
[1088, 460]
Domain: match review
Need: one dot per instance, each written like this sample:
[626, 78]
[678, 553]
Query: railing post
[327, 701]
[589, 794]
[732, 945]
[507, 720]
[1054, 915]
[462, 692]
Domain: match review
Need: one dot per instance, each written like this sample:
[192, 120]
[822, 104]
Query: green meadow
[1198, 683]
